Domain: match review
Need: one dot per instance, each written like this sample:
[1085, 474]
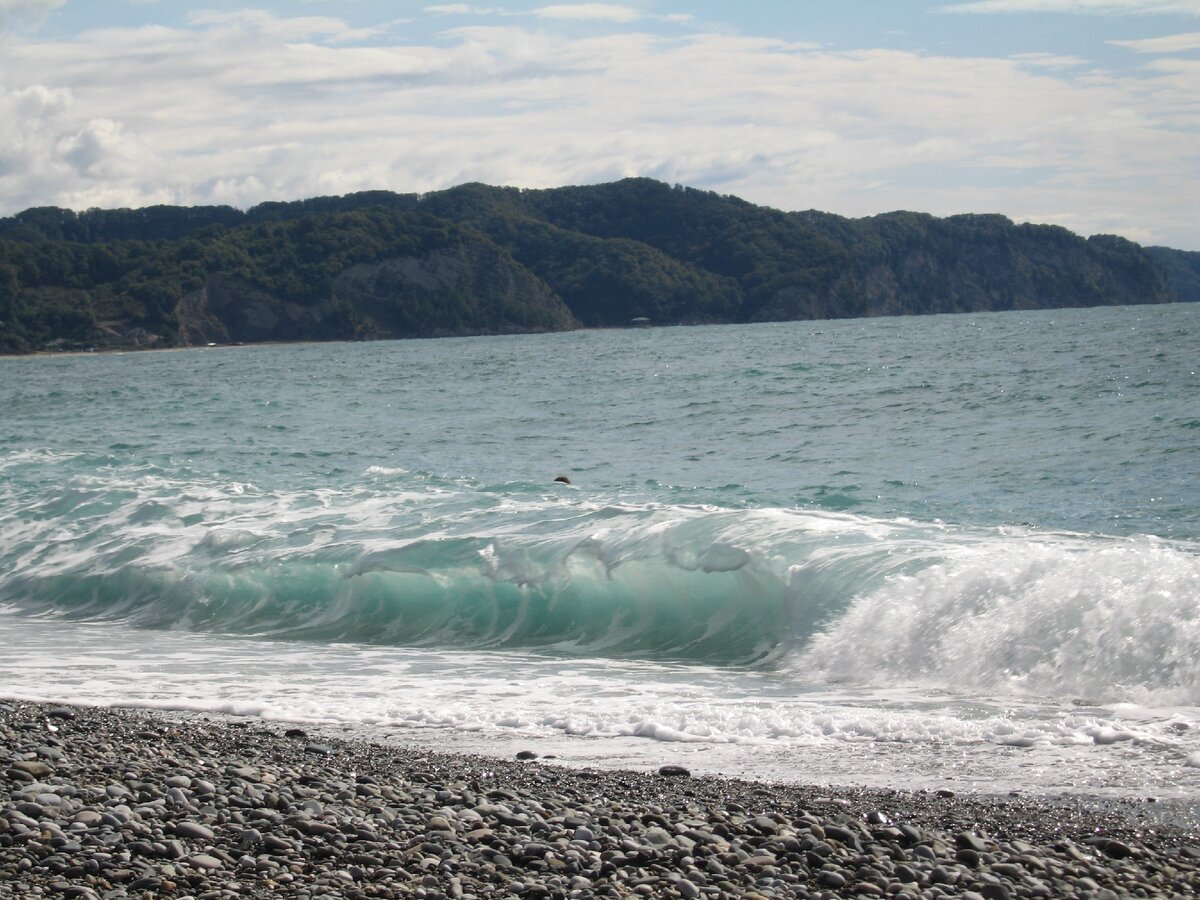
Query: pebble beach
[112, 803]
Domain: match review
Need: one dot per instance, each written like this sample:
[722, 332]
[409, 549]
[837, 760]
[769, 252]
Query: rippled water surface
[956, 550]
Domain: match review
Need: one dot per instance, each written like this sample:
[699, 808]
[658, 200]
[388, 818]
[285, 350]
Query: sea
[935, 553]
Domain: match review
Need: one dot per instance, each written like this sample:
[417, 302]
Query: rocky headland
[477, 259]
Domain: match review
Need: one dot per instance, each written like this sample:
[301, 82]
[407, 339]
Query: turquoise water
[893, 543]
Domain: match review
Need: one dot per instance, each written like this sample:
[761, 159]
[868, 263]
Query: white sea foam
[1099, 620]
[615, 712]
[386, 471]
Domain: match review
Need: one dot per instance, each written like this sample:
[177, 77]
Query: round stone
[673, 771]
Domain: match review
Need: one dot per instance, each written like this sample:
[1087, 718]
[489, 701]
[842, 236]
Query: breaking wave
[831, 596]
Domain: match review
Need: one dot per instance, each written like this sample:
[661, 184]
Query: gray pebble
[36, 768]
[965, 840]
[148, 806]
[830, 879]
[193, 830]
[674, 771]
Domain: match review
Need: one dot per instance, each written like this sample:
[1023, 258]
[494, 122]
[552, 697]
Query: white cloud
[243, 108]
[1174, 43]
[463, 9]
[1106, 7]
[25, 12]
[263, 22]
[1049, 60]
[50, 152]
[592, 12]
[27, 7]
[101, 151]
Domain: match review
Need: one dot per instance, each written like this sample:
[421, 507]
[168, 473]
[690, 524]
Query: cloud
[48, 148]
[240, 108]
[1105, 7]
[1174, 43]
[28, 7]
[579, 12]
[1049, 60]
[288, 29]
[25, 12]
[100, 150]
[463, 9]
[591, 12]
[607, 12]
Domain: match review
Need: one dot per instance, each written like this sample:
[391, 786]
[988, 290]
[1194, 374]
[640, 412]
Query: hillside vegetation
[485, 260]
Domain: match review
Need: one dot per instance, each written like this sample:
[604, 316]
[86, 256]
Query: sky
[1080, 113]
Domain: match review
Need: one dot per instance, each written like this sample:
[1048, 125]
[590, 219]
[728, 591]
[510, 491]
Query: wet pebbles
[112, 803]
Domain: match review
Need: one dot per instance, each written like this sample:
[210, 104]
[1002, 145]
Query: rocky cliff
[467, 289]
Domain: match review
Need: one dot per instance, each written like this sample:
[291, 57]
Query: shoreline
[43, 352]
[104, 802]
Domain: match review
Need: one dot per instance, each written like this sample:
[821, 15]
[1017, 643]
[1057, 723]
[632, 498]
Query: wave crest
[1089, 619]
[836, 597]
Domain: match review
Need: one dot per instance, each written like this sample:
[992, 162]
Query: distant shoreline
[110, 351]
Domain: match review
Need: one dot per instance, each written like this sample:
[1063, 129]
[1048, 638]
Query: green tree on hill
[479, 259]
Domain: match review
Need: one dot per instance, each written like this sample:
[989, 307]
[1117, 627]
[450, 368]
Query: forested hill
[484, 260]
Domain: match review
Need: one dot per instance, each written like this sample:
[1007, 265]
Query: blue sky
[1083, 113]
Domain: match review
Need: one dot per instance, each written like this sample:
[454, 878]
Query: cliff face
[198, 325]
[1181, 269]
[484, 260]
[749, 263]
[467, 289]
[228, 309]
[911, 264]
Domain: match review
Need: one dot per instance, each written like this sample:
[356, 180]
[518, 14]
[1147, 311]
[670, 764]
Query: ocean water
[947, 552]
